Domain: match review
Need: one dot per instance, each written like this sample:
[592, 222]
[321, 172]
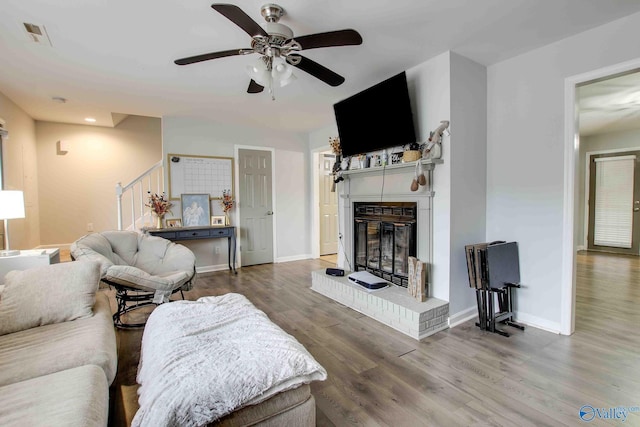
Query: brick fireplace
[392, 223]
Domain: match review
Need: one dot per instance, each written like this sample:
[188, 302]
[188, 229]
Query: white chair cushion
[137, 278]
[138, 261]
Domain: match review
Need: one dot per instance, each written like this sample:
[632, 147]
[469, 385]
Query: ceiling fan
[278, 49]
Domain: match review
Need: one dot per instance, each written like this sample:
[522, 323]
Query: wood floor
[458, 377]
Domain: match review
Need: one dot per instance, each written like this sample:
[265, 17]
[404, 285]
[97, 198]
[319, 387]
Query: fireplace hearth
[384, 239]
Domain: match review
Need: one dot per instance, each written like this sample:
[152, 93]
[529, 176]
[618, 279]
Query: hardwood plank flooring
[458, 377]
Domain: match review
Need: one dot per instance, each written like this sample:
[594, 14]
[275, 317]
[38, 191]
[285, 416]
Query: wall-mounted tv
[376, 118]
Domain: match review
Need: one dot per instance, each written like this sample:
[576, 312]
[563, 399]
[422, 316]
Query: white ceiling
[611, 104]
[116, 56]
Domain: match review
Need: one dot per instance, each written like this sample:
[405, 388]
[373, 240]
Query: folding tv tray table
[494, 271]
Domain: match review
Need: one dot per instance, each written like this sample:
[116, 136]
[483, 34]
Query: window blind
[613, 214]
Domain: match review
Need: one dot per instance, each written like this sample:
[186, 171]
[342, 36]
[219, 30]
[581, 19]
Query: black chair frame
[129, 299]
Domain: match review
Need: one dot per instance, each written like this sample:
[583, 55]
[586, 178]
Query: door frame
[315, 200]
[570, 191]
[236, 216]
[587, 177]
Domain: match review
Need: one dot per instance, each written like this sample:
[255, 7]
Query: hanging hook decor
[414, 182]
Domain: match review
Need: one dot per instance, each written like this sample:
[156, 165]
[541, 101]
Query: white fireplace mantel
[428, 164]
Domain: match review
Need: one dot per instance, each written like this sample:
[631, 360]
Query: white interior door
[255, 207]
[328, 208]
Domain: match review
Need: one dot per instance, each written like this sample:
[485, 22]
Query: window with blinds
[613, 213]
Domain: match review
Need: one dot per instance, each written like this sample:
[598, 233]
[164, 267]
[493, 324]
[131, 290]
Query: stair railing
[132, 197]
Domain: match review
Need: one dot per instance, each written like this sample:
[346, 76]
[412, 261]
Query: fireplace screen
[385, 238]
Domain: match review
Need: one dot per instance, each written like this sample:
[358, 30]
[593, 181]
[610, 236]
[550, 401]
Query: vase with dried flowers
[227, 203]
[159, 206]
[334, 142]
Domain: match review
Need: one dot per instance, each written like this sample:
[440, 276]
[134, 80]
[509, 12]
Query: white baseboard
[581, 248]
[463, 316]
[293, 258]
[537, 322]
[523, 318]
[211, 268]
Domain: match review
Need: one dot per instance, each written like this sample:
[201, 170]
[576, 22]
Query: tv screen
[376, 118]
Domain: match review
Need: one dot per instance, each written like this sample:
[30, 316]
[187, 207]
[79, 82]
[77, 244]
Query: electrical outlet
[89, 226]
[217, 250]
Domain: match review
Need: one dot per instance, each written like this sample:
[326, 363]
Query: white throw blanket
[201, 360]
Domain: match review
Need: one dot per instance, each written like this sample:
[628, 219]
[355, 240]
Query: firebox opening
[384, 239]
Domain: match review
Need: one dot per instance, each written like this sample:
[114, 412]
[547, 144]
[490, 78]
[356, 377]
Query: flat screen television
[376, 118]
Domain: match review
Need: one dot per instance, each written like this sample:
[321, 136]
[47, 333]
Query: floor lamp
[11, 206]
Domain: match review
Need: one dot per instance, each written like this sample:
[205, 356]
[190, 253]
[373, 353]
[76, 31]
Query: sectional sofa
[58, 352]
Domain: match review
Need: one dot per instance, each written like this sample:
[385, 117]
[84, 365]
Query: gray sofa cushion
[49, 294]
[56, 347]
[74, 397]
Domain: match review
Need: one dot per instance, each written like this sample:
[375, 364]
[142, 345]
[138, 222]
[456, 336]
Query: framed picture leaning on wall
[217, 220]
[196, 210]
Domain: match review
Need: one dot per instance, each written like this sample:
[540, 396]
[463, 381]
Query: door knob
[269, 212]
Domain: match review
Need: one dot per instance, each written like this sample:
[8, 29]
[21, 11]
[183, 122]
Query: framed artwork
[174, 222]
[196, 209]
[217, 220]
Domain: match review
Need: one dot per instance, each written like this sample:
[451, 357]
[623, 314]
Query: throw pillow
[50, 294]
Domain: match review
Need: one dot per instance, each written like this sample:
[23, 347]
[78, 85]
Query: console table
[203, 232]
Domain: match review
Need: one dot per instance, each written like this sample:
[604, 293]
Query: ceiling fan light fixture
[288, 80]
[258, 71]
[281, 71]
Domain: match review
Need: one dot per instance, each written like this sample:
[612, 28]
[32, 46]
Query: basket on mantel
[411, 156]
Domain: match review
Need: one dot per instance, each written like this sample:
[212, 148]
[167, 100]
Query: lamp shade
[11, 204]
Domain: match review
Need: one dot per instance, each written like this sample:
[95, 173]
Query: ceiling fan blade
[328, 39]
[254, 87]
[208, 56]
[241, 19]
[319, 71]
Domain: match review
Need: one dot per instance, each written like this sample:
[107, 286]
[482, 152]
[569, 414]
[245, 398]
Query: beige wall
[20, 172]
[78, 188]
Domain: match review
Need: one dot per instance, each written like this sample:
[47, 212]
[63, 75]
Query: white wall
[21, 173]
[610, 141]
[189, 135]
[85, 177]
[452, 87]
[525, 155]
[429, 89]
[468, 146]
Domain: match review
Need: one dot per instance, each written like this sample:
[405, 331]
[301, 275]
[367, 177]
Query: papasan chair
[142, 269]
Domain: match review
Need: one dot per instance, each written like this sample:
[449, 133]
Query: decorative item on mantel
[227, 203]
[417, 287]
[411, 152]
[433, 149]
[336, 148]
[419, 177]
[159, 206]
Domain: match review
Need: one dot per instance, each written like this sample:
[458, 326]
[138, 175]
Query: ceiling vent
[37, 33]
